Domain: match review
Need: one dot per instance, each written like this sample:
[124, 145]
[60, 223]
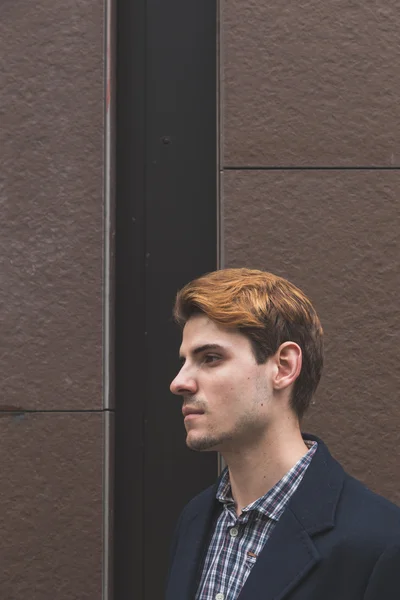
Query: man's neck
[253, 471]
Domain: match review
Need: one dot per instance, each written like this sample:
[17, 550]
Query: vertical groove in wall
[108, 445]
[108, 304]
[219, 165]
[219, 141]
[108, 204]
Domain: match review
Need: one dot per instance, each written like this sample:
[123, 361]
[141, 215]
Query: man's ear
[288, 361]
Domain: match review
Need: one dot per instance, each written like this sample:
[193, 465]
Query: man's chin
[201, 444]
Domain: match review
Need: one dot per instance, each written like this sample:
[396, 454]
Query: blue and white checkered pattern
[237, 541]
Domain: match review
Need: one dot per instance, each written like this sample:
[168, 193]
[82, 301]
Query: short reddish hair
[268, 310]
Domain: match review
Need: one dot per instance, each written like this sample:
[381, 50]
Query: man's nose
[183, 384]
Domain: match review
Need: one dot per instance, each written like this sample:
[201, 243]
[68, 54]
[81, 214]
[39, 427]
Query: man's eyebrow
[202, 348]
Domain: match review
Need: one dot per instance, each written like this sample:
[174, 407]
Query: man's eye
[211, 358]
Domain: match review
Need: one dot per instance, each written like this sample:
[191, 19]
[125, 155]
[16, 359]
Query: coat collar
[193, 535]
[289, 553]
[314, 503]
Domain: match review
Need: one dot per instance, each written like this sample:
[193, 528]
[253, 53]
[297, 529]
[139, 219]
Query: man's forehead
[201, 331]
[202, 326]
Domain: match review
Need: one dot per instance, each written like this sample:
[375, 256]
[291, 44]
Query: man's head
[268, 329]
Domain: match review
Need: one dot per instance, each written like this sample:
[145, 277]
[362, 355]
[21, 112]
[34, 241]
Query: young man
[284, 521]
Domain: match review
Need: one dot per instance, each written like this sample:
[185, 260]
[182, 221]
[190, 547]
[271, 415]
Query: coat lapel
[288, 556]
[290, 553]
[193, 538]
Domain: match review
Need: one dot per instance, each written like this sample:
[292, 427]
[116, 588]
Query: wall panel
[51, 506]
[51, 203]
[335, 235]
[310, 83]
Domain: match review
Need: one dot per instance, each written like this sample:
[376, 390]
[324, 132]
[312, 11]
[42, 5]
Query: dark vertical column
[166, 235]
[181, 244]
[130, 299]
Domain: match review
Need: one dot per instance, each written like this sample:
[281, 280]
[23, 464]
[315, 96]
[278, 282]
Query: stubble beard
[204, 444]
[246, 432]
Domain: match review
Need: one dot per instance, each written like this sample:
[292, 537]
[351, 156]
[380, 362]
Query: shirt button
[234, 531]
[219, 596]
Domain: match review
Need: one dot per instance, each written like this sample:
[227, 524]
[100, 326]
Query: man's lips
[188, 411]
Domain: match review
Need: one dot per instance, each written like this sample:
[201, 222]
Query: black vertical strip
[181, 214]
[130, 367]
[166, 235]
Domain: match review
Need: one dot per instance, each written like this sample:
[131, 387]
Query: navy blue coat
[336, 540]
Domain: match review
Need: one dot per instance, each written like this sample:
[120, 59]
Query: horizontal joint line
[309, 168]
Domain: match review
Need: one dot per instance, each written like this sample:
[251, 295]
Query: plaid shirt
[237, 541]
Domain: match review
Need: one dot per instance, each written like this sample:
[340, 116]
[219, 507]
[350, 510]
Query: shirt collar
[273, 503]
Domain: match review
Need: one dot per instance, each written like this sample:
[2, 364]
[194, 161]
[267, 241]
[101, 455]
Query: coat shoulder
[366, 511]
[199, 502]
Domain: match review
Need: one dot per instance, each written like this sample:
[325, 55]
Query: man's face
[227, 396]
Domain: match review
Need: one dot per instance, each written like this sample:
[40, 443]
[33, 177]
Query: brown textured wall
[307, 84]
[51, 506]
[310, 82]
[51, 202]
